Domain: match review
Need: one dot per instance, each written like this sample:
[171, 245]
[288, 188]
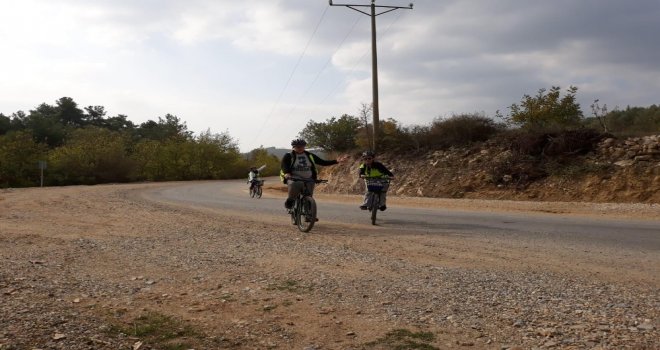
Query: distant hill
[277, 152]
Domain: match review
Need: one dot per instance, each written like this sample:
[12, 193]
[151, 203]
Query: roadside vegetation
[77, 146]
[84, 146]
[543, 135]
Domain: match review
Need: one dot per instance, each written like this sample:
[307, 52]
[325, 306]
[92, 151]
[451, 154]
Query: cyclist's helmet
[298, 142]
[368, 154]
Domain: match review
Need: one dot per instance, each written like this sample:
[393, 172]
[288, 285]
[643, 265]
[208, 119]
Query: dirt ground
[101, 267]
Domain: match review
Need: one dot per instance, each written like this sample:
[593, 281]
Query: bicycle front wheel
[307, 214]
[375, 203]
[259, 192]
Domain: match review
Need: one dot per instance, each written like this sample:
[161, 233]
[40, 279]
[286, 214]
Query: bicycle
[376, 187]
[303, 212]
[255, 189]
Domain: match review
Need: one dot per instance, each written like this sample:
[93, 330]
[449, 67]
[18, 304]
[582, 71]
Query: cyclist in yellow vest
[371, 168]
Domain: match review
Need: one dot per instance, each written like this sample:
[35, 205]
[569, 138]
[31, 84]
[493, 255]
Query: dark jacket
[287, 163]
[377, 169]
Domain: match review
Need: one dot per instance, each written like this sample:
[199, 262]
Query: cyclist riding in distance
[254, 176]
[370, 168]
[300, 163]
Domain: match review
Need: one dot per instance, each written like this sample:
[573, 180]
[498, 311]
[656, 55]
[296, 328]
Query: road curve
[634, 235]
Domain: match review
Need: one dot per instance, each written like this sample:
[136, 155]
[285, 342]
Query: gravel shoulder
[88, 267]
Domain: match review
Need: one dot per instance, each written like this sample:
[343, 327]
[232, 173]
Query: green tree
[45, 128]
[260, 156]
[95, 115]
[150, 159]
[44, 124]
[19, 156]
[393, 136]
[92, 155]
[68, 113]
[208, 156]
[168, 128]
[547, 110]
[634, 121]
[17, 121]
[332, 135]
[118, 123]
[5, 124]
[213, 156]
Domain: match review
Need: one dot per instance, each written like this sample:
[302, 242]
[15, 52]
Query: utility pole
[374, 57]
[42, 165]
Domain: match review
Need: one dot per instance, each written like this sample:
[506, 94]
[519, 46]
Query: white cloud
[224, 64]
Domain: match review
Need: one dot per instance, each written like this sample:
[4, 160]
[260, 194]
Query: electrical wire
[295, 68]
[327, 63]
[350, 73]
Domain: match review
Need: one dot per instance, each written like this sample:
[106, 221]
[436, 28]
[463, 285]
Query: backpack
[293, 160]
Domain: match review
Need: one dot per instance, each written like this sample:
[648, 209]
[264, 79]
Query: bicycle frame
[375, 186]
[303, 213]
[256, 188]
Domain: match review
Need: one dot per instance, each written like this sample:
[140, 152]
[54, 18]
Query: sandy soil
[101, 267]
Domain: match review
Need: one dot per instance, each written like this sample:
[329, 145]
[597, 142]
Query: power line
[325, 66]
[295, 68]
[350, 73]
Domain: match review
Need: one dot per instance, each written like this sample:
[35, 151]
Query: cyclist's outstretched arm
[285, 164]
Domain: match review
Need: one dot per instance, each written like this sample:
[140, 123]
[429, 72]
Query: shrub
[534, 155]
[393, 136]
[333, 134]
[547, 110]
[552, 143]
[457, 131]
[462, 130]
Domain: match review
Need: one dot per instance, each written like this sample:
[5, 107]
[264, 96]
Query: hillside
[626, 171]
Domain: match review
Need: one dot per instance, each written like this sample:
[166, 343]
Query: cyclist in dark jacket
[300, 163]
[371, 168]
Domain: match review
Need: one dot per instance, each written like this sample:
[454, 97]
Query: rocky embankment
[626, 171]
[644, 151]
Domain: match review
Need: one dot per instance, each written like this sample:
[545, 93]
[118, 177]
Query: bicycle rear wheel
[252, 192]
[307, 214]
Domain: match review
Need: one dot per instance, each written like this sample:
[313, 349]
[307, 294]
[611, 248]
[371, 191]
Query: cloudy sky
[261, 69]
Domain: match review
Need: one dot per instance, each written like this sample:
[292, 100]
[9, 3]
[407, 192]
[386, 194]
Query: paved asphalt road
[643, 236]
